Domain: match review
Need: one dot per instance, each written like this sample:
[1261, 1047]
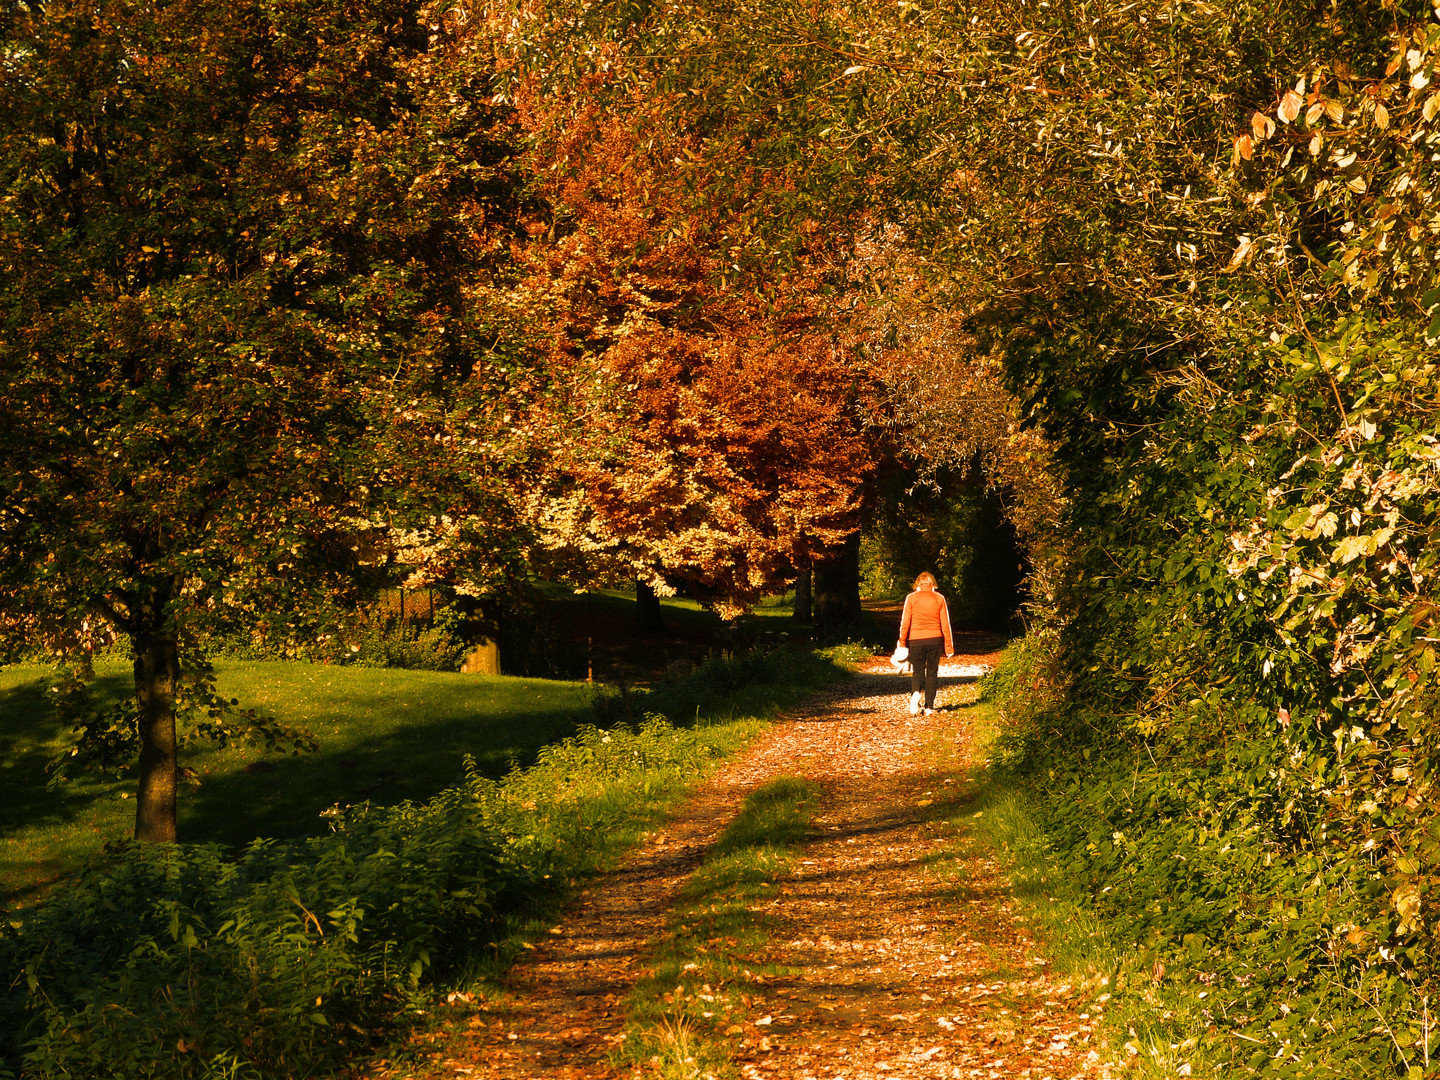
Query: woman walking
[925, 630]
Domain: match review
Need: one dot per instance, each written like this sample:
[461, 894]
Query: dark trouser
[925, 664]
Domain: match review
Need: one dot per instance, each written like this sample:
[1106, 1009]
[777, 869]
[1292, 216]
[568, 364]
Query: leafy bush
[369, 639]
[178, 962]
[391, 642]
[726, 683]
[1241, 773]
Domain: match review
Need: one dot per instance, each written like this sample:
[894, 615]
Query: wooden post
[484, 659]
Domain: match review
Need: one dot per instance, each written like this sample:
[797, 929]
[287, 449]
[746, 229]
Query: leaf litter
[904, 953]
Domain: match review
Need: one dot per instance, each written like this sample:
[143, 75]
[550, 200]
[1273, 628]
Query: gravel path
[909, 960]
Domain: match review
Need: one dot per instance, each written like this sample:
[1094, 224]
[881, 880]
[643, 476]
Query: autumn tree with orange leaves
[711, 435]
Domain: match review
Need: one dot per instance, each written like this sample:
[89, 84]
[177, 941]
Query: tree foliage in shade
[240, 338]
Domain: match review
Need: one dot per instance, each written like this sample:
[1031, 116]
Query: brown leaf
[1289, 107]
[1262, 126]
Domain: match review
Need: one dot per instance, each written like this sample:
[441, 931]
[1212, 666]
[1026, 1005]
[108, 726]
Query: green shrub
[392, 642]
[371, 636]
[1025, 685]
[725, 684]
[166, 961]
[175, 962]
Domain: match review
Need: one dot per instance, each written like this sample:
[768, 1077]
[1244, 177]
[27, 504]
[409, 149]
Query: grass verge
[1153, 1027]
[685, 1016]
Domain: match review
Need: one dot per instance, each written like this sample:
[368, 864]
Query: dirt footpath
[909, 961]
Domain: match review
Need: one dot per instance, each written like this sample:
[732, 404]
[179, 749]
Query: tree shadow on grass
[43, 828]
[284, 797]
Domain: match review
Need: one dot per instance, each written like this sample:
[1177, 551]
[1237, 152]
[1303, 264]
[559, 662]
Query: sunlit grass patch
[385, 735]
[684, 1017]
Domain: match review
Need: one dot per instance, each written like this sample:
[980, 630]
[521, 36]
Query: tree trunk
[157, 672]
[647, 609]
[802, 596]
[836, 590]
[483, 659]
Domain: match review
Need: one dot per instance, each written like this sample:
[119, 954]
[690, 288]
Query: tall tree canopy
[243, 329]
[711, 433]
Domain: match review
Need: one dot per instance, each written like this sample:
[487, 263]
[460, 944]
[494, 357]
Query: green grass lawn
[385, 735]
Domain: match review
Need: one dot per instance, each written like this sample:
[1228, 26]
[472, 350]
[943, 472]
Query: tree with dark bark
[239, 336]
[802, 595]
[836, 589]
[647, 608]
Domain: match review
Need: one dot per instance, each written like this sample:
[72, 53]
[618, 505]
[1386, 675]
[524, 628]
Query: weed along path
[818, 909]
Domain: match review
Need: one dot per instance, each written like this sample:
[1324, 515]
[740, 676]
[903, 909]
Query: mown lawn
[385, 735]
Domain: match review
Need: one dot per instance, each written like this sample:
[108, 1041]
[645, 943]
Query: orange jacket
[926, 616]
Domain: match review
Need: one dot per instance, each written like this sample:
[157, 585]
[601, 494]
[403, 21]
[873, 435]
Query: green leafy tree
[244, 328]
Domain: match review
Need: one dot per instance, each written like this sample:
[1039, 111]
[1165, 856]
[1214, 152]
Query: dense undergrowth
[183, 962]
[1229, 740]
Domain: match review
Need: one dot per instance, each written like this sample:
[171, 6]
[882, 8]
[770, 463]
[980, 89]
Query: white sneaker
[929, 712]
[915, 703]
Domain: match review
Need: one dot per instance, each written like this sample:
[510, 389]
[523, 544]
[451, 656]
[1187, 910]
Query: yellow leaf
[1244, 147]
[1262, 126]
[1350, 549]
[1407, 905]
[1432, 106]
[1289, 107]
[1242, 252]
[1335, 111]
[1314, 113]
[1382, 116]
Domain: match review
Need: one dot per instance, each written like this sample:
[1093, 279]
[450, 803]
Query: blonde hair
[925, 580]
